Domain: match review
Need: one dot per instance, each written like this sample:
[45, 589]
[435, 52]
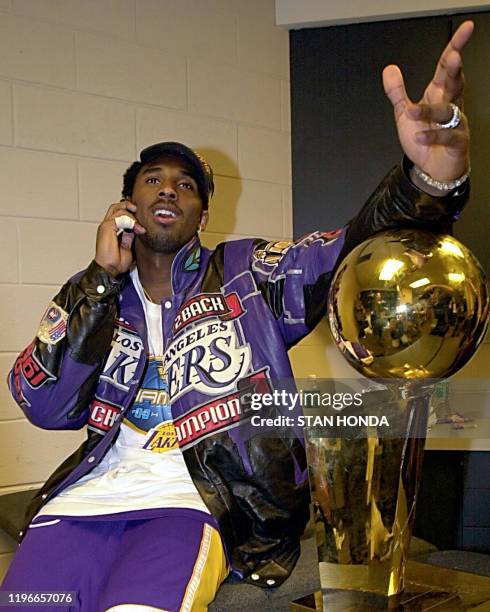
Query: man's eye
[186, 185]
[152, 180]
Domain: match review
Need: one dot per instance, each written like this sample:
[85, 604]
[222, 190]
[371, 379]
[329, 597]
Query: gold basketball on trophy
[409, 304]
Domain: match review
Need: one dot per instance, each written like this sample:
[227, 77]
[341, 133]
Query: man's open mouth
[165, 216]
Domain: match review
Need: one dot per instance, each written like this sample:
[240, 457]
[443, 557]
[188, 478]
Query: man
[158, 344]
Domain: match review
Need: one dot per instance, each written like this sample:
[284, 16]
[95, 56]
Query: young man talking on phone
[155, 346]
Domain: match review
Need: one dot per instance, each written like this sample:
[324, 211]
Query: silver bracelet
[441, 185]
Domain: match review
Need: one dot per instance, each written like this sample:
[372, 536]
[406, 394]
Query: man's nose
[167, 192]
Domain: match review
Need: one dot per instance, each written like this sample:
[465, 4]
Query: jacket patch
[32, 371]
[191, 264]
[221, 413]
[208, 358]
[124, 357]
[207, 305]
[103, 415]
[323, 237]
[52, 328]
[272, 253]
[161, 439]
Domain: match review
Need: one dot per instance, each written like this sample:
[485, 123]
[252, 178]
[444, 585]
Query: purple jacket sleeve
[294, 277]
[53, 378]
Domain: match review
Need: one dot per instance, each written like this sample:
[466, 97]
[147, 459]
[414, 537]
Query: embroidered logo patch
[192, 262]
[208, 357]
[222, 412]
[207, 305]
[52, 328]
[162, 438]
[273, 252]
[103, 415]
[324, 237]
[29, 367]
[124, 357]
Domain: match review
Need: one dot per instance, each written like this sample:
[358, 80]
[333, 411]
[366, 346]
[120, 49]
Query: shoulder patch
[273, 252]
[52, 328]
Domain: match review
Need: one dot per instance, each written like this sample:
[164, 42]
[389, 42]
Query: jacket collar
[131, 309]
[184, 271]
[186, 265]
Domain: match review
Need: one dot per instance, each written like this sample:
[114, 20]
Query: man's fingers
[448, 77]
[127, 240]
[452, 139]
[120, 210]
[129, 205]
[462, 35]
[115, 208]
[119, 206]
[433, 113]
[394, 87]
[123, 220]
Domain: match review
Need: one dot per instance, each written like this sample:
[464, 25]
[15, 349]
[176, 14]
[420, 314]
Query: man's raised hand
[441, 153]
[113, 254]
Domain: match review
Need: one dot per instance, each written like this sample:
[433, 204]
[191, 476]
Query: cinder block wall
[84, 85]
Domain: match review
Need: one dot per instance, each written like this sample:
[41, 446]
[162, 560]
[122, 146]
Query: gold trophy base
[427, 587]
[345, 600]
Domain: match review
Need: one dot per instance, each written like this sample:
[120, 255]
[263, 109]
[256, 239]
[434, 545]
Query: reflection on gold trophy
[406, 306]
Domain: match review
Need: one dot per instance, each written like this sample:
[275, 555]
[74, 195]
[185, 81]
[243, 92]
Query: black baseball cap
[201, 171]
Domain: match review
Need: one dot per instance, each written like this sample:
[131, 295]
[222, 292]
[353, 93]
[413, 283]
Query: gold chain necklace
[147, 296]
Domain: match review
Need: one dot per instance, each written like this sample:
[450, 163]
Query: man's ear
[204, 220]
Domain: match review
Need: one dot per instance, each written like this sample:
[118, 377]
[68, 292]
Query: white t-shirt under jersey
[145, 467]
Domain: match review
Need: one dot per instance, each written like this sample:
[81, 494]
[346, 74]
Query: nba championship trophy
[405, 308]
